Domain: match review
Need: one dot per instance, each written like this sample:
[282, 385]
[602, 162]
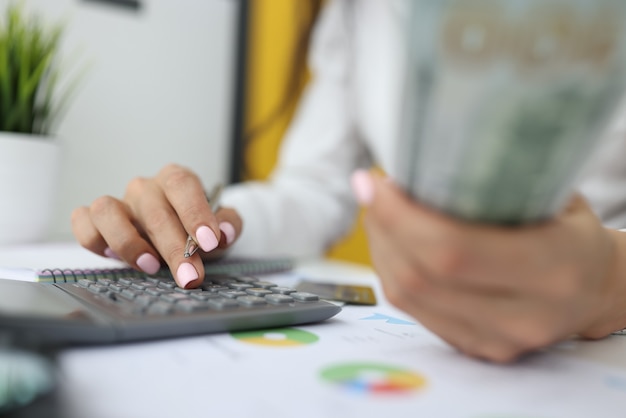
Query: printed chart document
[368, 361]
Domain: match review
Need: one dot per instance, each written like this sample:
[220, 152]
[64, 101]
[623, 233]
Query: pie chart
[373, 378]
[280, 337]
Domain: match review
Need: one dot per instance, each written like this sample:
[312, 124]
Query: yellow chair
[276, 75]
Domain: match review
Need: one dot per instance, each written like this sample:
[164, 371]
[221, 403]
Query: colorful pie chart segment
[281, 337]
[373, 379]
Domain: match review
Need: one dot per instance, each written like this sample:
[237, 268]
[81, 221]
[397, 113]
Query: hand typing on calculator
[154, 223]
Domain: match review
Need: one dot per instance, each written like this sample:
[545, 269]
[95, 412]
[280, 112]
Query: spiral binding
[73, 275]
[239, 266]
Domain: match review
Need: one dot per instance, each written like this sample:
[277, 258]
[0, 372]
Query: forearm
[289, 218]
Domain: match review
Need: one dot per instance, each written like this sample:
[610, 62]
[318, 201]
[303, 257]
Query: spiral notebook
[235, 266]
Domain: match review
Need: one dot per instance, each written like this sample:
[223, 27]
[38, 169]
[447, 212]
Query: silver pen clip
[191, 246]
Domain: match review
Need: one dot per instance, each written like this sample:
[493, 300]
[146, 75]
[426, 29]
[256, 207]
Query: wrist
[611, 315]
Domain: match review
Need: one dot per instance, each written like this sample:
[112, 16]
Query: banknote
[506, 102]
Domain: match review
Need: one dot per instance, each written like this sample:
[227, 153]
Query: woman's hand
[152, 222]
[495, 292]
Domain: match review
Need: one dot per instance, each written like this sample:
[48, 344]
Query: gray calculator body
[92, 312]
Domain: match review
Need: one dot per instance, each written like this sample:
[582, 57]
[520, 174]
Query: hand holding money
[490, 291]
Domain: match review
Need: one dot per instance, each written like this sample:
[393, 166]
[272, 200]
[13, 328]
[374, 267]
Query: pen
[213, 198]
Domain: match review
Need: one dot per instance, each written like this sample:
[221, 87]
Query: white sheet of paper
[21, 262]
[381, 351]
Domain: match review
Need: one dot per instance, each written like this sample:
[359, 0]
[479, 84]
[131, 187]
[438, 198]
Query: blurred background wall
[157, 88]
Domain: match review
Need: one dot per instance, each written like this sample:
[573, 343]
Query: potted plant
[31, 104]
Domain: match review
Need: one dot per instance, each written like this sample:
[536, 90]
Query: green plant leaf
[30, 97]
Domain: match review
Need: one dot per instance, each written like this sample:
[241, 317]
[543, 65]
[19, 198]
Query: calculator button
[251, 301]
[257, 291]
[137, 286]
[224, 280]
[127, 282]
[174, 297]
[186, 291]
[214, 288]
[277, 298]
[85, 283]
[248, 279]
[264, 285]
[283, 290]
[133, 309]
[239, 286]
[109, 296]
[232, 294]
[147, 284]
[129, 294]
[116, 288]
[160, 308]
[96, 288]
[204, 296]
[145, 300]
[191, 306]
[154, 291]
[222, 303]
[304, 296]
[166, 285]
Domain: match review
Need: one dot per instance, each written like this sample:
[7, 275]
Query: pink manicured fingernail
[148, 263]
[186, 273]
[206, 238]
[110, 254]
[363, 187]
[229, 231]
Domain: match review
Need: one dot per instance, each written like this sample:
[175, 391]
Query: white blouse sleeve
[307, 203]
[604, 184]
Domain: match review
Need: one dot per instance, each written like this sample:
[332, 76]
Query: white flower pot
[29, 172]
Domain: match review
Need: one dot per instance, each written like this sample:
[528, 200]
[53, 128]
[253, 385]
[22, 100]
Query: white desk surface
[377, 350]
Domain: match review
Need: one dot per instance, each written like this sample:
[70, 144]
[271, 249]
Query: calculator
[106, 310]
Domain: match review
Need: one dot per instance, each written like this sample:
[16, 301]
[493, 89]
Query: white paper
[24, 261]
[221, 375]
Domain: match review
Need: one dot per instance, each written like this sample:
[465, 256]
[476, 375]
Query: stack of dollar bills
[506, 101]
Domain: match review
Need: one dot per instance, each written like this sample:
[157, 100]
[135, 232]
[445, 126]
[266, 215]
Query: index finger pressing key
[191, 246]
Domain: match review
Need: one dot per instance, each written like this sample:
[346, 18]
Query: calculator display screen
[34, 300]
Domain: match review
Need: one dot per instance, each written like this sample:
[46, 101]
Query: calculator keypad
[161, 296]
